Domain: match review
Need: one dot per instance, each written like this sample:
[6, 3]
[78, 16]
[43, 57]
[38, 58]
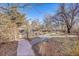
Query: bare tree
[67, 14]
[48, 22]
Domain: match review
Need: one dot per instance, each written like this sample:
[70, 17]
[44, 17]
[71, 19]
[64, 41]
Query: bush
[8, 30]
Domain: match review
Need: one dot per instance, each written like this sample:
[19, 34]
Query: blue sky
[37, 11]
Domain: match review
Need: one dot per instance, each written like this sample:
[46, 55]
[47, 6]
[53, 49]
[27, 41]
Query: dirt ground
[8, 48]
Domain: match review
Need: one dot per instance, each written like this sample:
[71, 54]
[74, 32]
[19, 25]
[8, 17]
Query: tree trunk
[27, 35]
[68, 30]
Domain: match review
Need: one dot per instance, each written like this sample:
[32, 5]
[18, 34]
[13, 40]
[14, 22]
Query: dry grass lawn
[58, 47]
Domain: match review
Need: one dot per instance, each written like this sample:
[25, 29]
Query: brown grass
[58, 47]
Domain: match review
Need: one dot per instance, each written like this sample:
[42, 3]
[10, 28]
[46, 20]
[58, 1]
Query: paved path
[38, 40]
[24, 48]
